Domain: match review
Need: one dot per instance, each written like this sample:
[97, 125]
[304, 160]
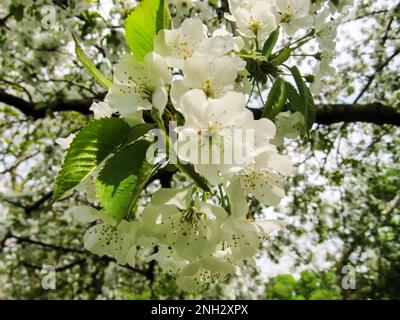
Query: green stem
[310, 35]
[222, 197]
[259, 92]
[251, 92]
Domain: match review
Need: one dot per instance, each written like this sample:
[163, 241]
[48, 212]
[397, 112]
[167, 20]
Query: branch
[36, 110]
[46, 245]
[376, 113]
[4, 19]
[372, 77]
[37, 204]
[31, 207]
[73, 250]
[58, 269]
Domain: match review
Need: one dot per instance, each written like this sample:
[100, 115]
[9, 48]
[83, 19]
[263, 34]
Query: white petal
[65, 142]
[265, 186]
[196, 71]
[178, 89]
[154, 218]
[210, 172]
[130, 71]
[134, 118]
[218, 46]
[157, 69]
[270, 226]
[193, 105]
[186, 283]
[222, 110]
[126, 100]
[274, 161]
[102, 110]
[177, 197]
[237, 198]
[215, 265]
[103, 239]
[84, 214]
[160, 99]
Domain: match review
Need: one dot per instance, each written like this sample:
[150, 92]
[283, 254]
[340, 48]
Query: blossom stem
[222, 197]
[259, 92]
[251, 92]
[303, 40]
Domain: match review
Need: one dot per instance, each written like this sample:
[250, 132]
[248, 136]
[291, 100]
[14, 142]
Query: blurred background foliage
[342, 209]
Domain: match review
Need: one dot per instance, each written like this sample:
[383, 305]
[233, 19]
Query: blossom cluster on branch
[200, 79]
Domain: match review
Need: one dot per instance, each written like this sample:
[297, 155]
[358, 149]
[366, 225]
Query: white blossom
[325, 32]
[206, 270]
[323, 69]
[139, 85]
[214, 75]
[107, 237]
[209, 131]
[265, 178]
[289, 125]
[189, 227]
[293, 15]
[180, 44]
[254, 18]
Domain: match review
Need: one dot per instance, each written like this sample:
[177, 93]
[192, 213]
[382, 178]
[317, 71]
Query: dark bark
[376, 113]
[327, 114]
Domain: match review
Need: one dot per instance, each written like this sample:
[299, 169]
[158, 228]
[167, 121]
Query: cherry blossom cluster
[199, 79]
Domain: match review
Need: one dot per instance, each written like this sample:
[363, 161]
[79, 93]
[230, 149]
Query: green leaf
[276, 99]
[306, 96]
[143, 23]
[122, 179]
[295, 102]
[17, 10]
[256, 57]
[282, 57]
[189, 170]
[269, 45]
[92, 145]
[335, 2]
[164, 20]
[89, 65]
[138, 131]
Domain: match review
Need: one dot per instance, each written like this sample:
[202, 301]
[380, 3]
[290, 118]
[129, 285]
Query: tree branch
[45, 245]
[372, 77]
[58, 269]
[31, 207]
[327, 114]
[36, 110]
[71, 250]
[376, 113]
